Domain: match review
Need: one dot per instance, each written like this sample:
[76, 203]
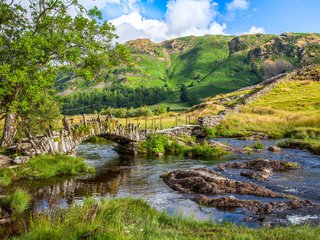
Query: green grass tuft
[18, 201]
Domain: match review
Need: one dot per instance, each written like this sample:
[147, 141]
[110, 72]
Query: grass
[18, 201]
[134, 219]
[292, 110]
[313, 145]
[45, 166]
[159, 144]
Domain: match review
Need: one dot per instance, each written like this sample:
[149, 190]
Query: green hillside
[207, 65]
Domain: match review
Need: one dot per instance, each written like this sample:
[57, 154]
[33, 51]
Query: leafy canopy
[43, 39]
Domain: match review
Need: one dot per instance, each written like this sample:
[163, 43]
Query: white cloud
[238, 5]
[183, 17]
[255, 30]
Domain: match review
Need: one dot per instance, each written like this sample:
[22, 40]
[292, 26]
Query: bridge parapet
[66, 140]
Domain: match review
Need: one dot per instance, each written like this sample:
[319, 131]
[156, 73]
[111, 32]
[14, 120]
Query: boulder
[205, 181]
[274, 149]
[21, 159]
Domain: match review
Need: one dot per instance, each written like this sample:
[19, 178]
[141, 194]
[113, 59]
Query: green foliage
[18, 201]
[206, 151]
[210, 132]
[115, 97]
[128, 218]
[161, 144]
[40, 40]
[157, 143]
[310, 145]
[258, 145]
[45, 166]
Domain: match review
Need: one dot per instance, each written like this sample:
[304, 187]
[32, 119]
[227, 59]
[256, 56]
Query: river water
[139, 177]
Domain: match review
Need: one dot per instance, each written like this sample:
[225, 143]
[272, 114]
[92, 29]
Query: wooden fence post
[84, 120]
[145, 125]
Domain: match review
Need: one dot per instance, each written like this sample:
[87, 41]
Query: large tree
[43, 39]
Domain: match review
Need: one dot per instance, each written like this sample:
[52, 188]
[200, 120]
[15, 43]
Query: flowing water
[139, 177]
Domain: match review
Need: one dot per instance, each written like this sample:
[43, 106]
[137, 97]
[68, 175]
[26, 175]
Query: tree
[40, 41]
[184, 96]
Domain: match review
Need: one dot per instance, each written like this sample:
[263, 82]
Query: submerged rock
[262, 169]
[206, 181]
[274, 149]
[256, 207]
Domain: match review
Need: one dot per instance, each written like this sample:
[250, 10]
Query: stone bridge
[66, 140]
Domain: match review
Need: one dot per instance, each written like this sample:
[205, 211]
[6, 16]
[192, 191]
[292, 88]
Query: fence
[152, 123]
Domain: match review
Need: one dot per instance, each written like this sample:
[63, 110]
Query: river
[139, 177]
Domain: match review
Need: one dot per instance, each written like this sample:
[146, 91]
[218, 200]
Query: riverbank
[43, 167]
[134, 219]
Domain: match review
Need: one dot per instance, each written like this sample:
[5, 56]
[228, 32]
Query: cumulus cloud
[255, 30]
[182, 18]
[238, 5]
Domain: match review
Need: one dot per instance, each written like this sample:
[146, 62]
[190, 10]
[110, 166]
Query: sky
[161, 20]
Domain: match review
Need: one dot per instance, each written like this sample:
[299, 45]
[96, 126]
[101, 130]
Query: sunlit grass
[45, 166]
[293, 108]
[134, 219]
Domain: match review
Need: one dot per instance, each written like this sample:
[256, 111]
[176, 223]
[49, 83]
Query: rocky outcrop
[205, 181]
[261, 169]
[256, 207]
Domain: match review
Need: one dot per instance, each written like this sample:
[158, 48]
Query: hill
[207, 65]
[290, 110]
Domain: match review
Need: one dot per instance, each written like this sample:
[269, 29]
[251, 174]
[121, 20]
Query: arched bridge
[66, 140]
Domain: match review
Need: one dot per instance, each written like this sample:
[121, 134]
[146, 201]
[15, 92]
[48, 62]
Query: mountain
[207, 65]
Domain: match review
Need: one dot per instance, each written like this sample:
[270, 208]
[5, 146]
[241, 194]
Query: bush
[157, 143]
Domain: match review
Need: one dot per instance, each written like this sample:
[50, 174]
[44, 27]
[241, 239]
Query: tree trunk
[9, 130]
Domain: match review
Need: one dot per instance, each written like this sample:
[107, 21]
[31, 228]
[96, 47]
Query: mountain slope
[207, 65]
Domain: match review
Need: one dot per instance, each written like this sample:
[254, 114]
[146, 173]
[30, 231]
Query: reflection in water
[120, 176]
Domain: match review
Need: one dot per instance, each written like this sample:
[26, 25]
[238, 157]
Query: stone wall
[188, 130]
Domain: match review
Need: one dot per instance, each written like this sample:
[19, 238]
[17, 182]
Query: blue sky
[165, 19]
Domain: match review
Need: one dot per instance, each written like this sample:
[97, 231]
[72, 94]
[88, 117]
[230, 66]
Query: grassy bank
[134, 219]
[312, 145]
[44, 166]
[159, 145]
[290, 110]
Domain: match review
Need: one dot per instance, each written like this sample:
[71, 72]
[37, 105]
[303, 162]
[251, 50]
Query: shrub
[157, 143]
